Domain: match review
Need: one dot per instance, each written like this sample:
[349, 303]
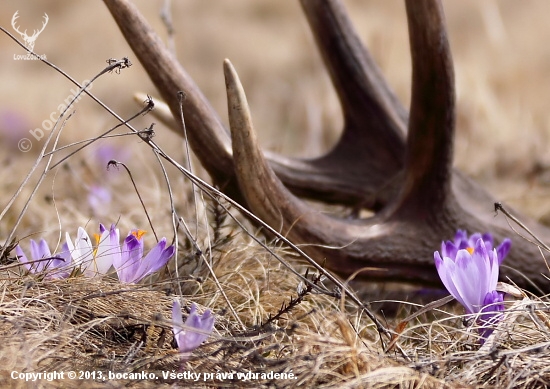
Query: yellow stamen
[97, 238]
[470, 250]
[138, 233]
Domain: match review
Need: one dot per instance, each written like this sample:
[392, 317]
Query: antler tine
[207, 135]
[354, 245]
[256, 179]
[430, 137]
[355, 75]
[15, 17]
[13, 20]
[46, 18]
[371, 110]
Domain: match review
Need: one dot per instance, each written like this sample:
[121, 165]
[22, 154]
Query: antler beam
[409, 182]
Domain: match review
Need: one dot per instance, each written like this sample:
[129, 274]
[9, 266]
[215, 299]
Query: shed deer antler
[408, 180]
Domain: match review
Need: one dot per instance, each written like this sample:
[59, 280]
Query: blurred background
[502, 65]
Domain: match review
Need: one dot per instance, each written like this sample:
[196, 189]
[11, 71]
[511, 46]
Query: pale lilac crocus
[99, 198]
[194, 331]
[108, 248]
[81, 250]
[132, 266]
[469, 267]
[95, 261]
[57, 265]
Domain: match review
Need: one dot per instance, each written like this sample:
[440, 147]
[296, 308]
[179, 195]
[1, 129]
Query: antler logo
[29, 40]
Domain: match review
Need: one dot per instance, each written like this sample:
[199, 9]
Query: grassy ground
[501, 65]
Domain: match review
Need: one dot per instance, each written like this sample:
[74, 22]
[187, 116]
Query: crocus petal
[176, 316]
[503, 249]
[155, 260]
[103, 261]
[22, 257]
[108, 249]
[132, 252]
[483, 262]
[490, 316]
[449, 249]
[61, 264]
[40, 252]
[488, 239]
[35, 251]
[149, 260]
[493, 277]
[82, 251]
[479, 278]
[43, 249]
[445, 269]
[69, 243]
[465, 279]
[472, 240]
[114, 238]
[461, 239]
[62, 259]
[177, 321]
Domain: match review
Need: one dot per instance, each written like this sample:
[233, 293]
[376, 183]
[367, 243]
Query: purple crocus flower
[40, 253]
[463, 241]
[42, 259]
[468, 267]
[194, 331]
[131, 266]
[492, 304]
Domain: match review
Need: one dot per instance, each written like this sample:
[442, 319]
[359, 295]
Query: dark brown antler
[418, 198]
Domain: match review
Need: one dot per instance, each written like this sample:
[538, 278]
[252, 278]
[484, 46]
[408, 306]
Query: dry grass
[325, 341]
